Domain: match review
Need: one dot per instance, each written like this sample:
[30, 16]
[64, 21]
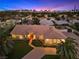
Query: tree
[36, 21]
[68, 49]
[5, 44]
[76, 26]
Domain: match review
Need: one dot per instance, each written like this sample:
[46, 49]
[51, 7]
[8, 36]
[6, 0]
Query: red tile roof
[48, 31]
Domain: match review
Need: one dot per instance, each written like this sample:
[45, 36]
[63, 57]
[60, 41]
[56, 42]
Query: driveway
[39, 52]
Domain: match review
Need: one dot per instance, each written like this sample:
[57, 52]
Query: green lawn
[51, 57]
[21, 48]
[37, 43]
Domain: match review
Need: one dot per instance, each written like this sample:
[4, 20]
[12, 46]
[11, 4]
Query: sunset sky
[39, 4]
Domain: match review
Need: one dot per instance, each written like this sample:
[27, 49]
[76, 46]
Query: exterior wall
[47, 42]
[16, 37]
[21, 37]
[50, 42]
[41, 37]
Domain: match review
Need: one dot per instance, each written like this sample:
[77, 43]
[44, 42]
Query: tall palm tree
[68, 49]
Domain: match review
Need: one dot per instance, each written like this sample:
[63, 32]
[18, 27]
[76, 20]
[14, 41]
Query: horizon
[39, 4]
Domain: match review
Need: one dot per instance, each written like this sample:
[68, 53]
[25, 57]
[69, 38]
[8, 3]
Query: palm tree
[68, 49]
[5, 44]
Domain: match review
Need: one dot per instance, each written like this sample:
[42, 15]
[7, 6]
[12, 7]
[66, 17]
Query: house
[61, 22]
[46, 22]
[49, 34]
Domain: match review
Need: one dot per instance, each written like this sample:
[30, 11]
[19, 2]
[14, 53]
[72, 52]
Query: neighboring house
[18, 21]
[49, 34]
[2, 24]
[11, 21]
[75, 21]
[61, 22]
[52, 18]
[46, 22]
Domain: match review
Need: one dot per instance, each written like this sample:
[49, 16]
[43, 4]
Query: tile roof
[49, 32]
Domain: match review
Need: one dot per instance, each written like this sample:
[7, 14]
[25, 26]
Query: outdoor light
[63, 40]
[31, 36]
[34, 36]
[48, 42]
[54, 41]
[21, 37]
[13, 36]
[58, 41]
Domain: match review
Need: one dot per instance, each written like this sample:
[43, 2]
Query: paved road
[39, 52]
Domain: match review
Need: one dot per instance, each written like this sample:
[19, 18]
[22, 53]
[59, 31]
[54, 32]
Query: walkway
[30, 44]
[39, 52]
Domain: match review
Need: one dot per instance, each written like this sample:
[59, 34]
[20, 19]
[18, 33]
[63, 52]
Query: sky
[39, 4]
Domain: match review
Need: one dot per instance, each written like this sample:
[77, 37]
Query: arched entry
[31, 36]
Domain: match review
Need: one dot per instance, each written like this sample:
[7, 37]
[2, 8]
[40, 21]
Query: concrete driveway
[39, 52]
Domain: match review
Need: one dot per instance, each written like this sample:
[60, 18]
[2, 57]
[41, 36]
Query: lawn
[20, 49]
[50, 57]
[37, 43]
